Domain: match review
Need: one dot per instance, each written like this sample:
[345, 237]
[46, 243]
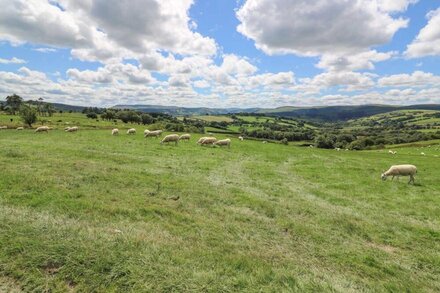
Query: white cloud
[364, 60]
[416, 79]
[427, 42]
[319, 27]
[13, 60]
[45, 50]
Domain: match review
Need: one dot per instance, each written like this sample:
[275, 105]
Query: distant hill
[341, 113]
[324, 113]
[65, 107]
[179, 111]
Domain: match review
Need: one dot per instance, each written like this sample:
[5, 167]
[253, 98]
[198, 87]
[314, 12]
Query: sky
[221, 53]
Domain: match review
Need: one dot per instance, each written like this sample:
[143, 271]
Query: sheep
[392, 152]
[20, 128]
[338, 149]
[3, 127]
[155, 133]
[240, 138]
[223, 142]
[131, 131]
[423, 154]
[264, 141]
[401, 170]
[208, 140]
[185, 136]
[201, 139]
[72, 129]
[115, 131]
[66, 128]
[170, 138]
[43, 129]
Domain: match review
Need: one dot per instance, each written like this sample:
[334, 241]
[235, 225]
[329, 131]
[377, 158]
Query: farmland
[88, 211]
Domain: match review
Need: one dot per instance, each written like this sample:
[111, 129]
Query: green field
[90, 212]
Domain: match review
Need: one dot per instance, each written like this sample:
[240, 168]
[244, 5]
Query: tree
[49, 109]
[146, 119]
[13, 103]
[91, 115]
[28, 114]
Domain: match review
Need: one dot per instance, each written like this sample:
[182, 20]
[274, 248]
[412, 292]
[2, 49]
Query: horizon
[222, 55]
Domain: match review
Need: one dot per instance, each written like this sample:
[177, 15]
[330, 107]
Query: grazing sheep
[42, 129]
[20, 128]
[423, 154]
[223, 142]
[131, 131]
[72, 129]
[170, 138]
[155, 133]
[201, 139]
[311, 146]
[338, 149]
[240, 138]
[401, 170]
[185, 136]
[208, 140]
[392, 152]
[3, 127]
[264, 141]
[115, 131]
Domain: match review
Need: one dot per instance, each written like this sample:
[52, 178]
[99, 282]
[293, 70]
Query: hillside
[104, 213]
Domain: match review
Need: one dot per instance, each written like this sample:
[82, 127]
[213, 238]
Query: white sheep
[155, 133]
[401, 170]
[170, 138]
[185, 136]
[338, 149]
[264, 141]
[223, 142]
[131, 131]
[72, 129]
[423, 154]
[240, 138]
[3, 127]
[115, 131]
[201, 139]
[208, 140]
[392, 152]
[20, 128]
[43, 129]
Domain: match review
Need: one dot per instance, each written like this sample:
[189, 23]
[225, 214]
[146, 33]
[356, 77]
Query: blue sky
[246, 53]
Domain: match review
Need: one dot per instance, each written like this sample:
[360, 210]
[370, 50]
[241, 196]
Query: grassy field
[90, 212]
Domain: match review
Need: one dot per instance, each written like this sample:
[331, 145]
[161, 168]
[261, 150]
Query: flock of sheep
[393, 171]
[175, 138]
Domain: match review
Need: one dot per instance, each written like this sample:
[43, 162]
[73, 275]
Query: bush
[28, 114]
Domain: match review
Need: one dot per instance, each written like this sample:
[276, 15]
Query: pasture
[88, 211]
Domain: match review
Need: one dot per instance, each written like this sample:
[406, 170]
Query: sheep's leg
[392, 178]
[411, 179]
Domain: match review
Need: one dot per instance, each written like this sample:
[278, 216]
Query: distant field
[213, 118]
[90, 212]
[416, 117]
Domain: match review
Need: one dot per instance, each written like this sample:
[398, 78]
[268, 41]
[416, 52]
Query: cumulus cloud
[416, 79]
[319, 27]
[427, 42]
[13, 60]
[359, 61]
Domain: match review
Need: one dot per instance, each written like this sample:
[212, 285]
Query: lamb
[240, 138]
[401, 170]
[115, 131]
[155, 133]
[72, 129]
[131, 131]
[42, 129]
[185, 136]
[223, 142]
[170, 138]
[20, 128]
[208, 140]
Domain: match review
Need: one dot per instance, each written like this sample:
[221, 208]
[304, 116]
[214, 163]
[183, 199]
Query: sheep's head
[383, 176]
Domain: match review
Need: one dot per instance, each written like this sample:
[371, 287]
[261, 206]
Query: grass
[89, 212]
[213, 118]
